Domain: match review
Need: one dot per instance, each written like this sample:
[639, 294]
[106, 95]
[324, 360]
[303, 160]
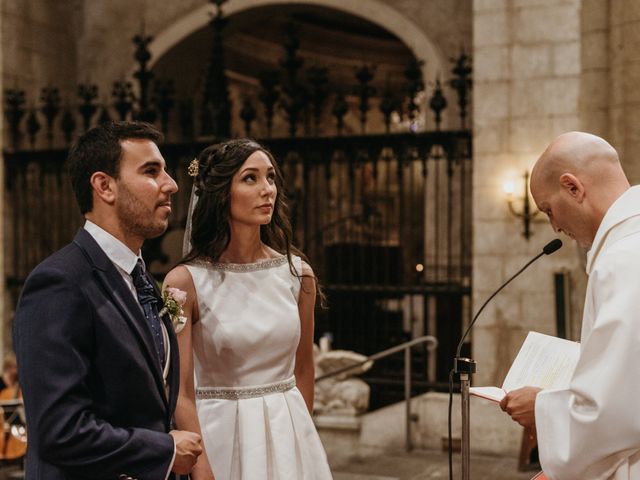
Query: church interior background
[397, 123]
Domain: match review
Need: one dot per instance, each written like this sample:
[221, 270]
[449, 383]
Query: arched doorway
[384, 219]
[329, 39]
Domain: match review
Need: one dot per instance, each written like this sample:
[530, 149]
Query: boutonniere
[174, 299]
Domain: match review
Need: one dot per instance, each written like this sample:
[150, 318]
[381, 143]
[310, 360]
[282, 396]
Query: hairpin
[194, 168]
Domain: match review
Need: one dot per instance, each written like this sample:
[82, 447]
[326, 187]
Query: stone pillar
[624, 119]
[526, 92]
[595, 83]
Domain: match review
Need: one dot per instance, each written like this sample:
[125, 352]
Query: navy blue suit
[94, 397]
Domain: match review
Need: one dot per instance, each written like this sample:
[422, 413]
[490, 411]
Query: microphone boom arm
[466, 332]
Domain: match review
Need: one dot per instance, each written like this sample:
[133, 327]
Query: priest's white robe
[591, 431]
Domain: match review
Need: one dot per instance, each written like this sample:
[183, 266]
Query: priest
[591, 430]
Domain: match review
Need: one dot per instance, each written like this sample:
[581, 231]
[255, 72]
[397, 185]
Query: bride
[246, 351]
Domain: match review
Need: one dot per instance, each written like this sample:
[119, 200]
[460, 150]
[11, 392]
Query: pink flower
[174, 299]
[178, 295]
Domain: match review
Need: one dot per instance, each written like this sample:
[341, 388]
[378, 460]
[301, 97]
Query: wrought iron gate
[384, 219]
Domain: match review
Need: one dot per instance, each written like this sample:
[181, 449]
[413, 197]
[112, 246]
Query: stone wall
[39, 47]
[527, 65]
[624, 64]
[108, 26]
[595, 58]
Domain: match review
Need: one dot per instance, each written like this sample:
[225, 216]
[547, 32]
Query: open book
[543, 361]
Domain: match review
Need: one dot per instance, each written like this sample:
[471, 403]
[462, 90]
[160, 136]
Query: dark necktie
[149, 303]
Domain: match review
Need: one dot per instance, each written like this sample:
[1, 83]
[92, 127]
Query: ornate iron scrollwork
[364, 75]
[413, 74]
[318, 78]
[438, 103]
[50, 98]
[216, 106]
[67, 125]
[269, 95]
[294, 96]
[87, 109]
[461, 82]
[163, 92]
[14, 107]
[303, 101]
[123, 98]
[339, 110]
[248, 115]
[144, 76]
[33, 126]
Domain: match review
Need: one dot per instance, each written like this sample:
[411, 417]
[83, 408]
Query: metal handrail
[432, 344]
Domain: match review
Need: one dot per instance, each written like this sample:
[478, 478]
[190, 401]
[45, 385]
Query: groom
[98, 365]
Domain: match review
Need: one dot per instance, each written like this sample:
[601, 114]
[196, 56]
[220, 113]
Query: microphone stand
[466, 367]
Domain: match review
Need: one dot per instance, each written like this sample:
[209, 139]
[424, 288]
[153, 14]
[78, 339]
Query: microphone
[551, 247]
[548, 249]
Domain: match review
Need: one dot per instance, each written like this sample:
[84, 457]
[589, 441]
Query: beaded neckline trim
[242, 267]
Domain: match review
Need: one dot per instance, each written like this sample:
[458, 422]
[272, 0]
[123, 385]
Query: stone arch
[375, 11]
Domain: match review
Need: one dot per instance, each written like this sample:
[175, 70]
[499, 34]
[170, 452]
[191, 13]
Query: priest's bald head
[575, 181]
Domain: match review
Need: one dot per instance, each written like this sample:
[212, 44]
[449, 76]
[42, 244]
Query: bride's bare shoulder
[179, 277]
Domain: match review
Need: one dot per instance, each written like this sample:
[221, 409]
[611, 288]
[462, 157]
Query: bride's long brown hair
[210, 230]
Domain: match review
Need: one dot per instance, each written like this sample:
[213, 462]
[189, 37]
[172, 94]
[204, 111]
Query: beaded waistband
[238, 393]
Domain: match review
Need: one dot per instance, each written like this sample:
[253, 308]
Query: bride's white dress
[255, 424]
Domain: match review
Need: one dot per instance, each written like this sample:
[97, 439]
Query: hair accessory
[194, 168]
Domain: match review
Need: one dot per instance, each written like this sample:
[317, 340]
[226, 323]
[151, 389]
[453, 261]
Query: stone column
[624, 62]
[595, 84]
[526, 92]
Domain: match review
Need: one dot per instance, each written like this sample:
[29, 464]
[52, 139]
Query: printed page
[494, 394]
[543, 361]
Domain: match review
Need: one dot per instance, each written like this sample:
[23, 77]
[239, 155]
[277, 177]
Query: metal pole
[466, 431]
[407, 397]
[464, 368]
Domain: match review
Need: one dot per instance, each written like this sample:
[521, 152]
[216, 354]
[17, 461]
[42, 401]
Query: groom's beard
[136, 218]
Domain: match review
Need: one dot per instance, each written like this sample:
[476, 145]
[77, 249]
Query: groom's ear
[104, 186]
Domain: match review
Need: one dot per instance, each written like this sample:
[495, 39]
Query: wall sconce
[526, 214]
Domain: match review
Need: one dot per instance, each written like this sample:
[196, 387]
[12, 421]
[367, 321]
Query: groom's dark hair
[99, 150]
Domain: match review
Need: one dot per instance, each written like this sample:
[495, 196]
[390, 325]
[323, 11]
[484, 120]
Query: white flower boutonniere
[174, 299]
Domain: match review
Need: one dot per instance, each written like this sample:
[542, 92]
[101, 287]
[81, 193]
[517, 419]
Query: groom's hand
[188, 447]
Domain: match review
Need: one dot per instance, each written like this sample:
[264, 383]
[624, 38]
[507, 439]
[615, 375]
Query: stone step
[422, 465]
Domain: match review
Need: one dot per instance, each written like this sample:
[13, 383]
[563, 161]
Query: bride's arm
[305, 368]
[186, 415]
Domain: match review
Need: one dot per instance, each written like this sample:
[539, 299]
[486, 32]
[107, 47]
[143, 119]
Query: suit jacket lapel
[174, 369]
[115, 287]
